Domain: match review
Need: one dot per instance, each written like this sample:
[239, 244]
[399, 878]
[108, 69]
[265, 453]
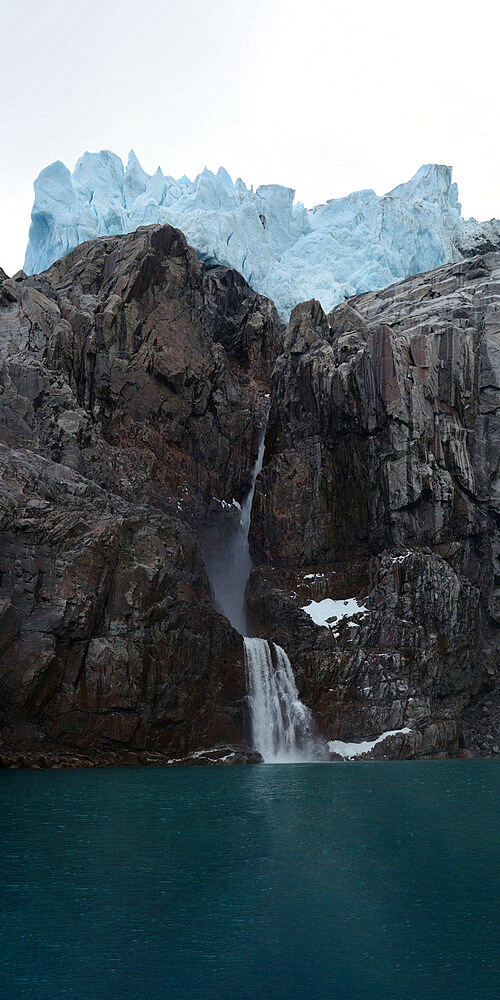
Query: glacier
[358, 243]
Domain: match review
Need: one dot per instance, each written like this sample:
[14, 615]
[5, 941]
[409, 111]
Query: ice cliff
[349, 245]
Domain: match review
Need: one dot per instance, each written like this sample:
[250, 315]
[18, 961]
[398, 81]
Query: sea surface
[303, 882]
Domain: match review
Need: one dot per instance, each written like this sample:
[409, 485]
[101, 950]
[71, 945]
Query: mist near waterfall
[230, 568]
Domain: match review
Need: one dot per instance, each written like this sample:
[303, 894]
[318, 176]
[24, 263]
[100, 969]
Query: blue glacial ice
[349, 245]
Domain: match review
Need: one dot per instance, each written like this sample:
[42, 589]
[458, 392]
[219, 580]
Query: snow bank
[350, 750]
[330, 613]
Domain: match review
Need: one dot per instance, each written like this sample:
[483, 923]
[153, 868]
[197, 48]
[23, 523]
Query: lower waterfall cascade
[282, 727]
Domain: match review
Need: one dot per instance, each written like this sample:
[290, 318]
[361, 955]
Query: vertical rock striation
[381, 483]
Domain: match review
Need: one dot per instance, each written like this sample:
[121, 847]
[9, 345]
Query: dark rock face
[130, 404]
[381, 483]
[146, 399]
[134, 385]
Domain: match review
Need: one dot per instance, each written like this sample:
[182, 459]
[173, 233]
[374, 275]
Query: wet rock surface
[381, 483]
[130, 405]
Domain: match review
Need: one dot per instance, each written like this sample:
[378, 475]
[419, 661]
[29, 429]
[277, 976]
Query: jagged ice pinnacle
[349, 245]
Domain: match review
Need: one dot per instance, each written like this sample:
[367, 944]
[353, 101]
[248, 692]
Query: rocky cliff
[133, 391]
[378, 504]
[132, 387]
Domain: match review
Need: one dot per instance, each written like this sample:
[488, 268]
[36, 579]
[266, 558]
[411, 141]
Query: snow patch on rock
[349, 751]
[330, 613]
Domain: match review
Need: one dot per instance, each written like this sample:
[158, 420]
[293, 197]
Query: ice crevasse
[285, 251]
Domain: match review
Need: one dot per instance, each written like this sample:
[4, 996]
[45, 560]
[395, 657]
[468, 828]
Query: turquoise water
[305, 882]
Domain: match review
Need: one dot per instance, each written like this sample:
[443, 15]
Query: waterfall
[282, 726]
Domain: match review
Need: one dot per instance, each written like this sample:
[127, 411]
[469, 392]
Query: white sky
[325, 96]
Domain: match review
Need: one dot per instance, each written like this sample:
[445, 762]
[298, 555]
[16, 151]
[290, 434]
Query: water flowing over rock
[333, 251]
[282, 727]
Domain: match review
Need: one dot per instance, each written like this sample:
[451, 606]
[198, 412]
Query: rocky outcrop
[381, 483]
[132, 387]
[130, 326]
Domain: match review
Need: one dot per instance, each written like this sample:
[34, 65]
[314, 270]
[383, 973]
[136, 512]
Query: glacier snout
[349, 245]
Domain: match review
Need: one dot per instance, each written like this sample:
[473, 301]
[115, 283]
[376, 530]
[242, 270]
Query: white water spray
[282, 726]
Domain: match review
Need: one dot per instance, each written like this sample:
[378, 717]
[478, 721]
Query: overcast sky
[324, 96]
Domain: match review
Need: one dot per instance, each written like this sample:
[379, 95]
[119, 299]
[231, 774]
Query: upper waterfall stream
[229, 573]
